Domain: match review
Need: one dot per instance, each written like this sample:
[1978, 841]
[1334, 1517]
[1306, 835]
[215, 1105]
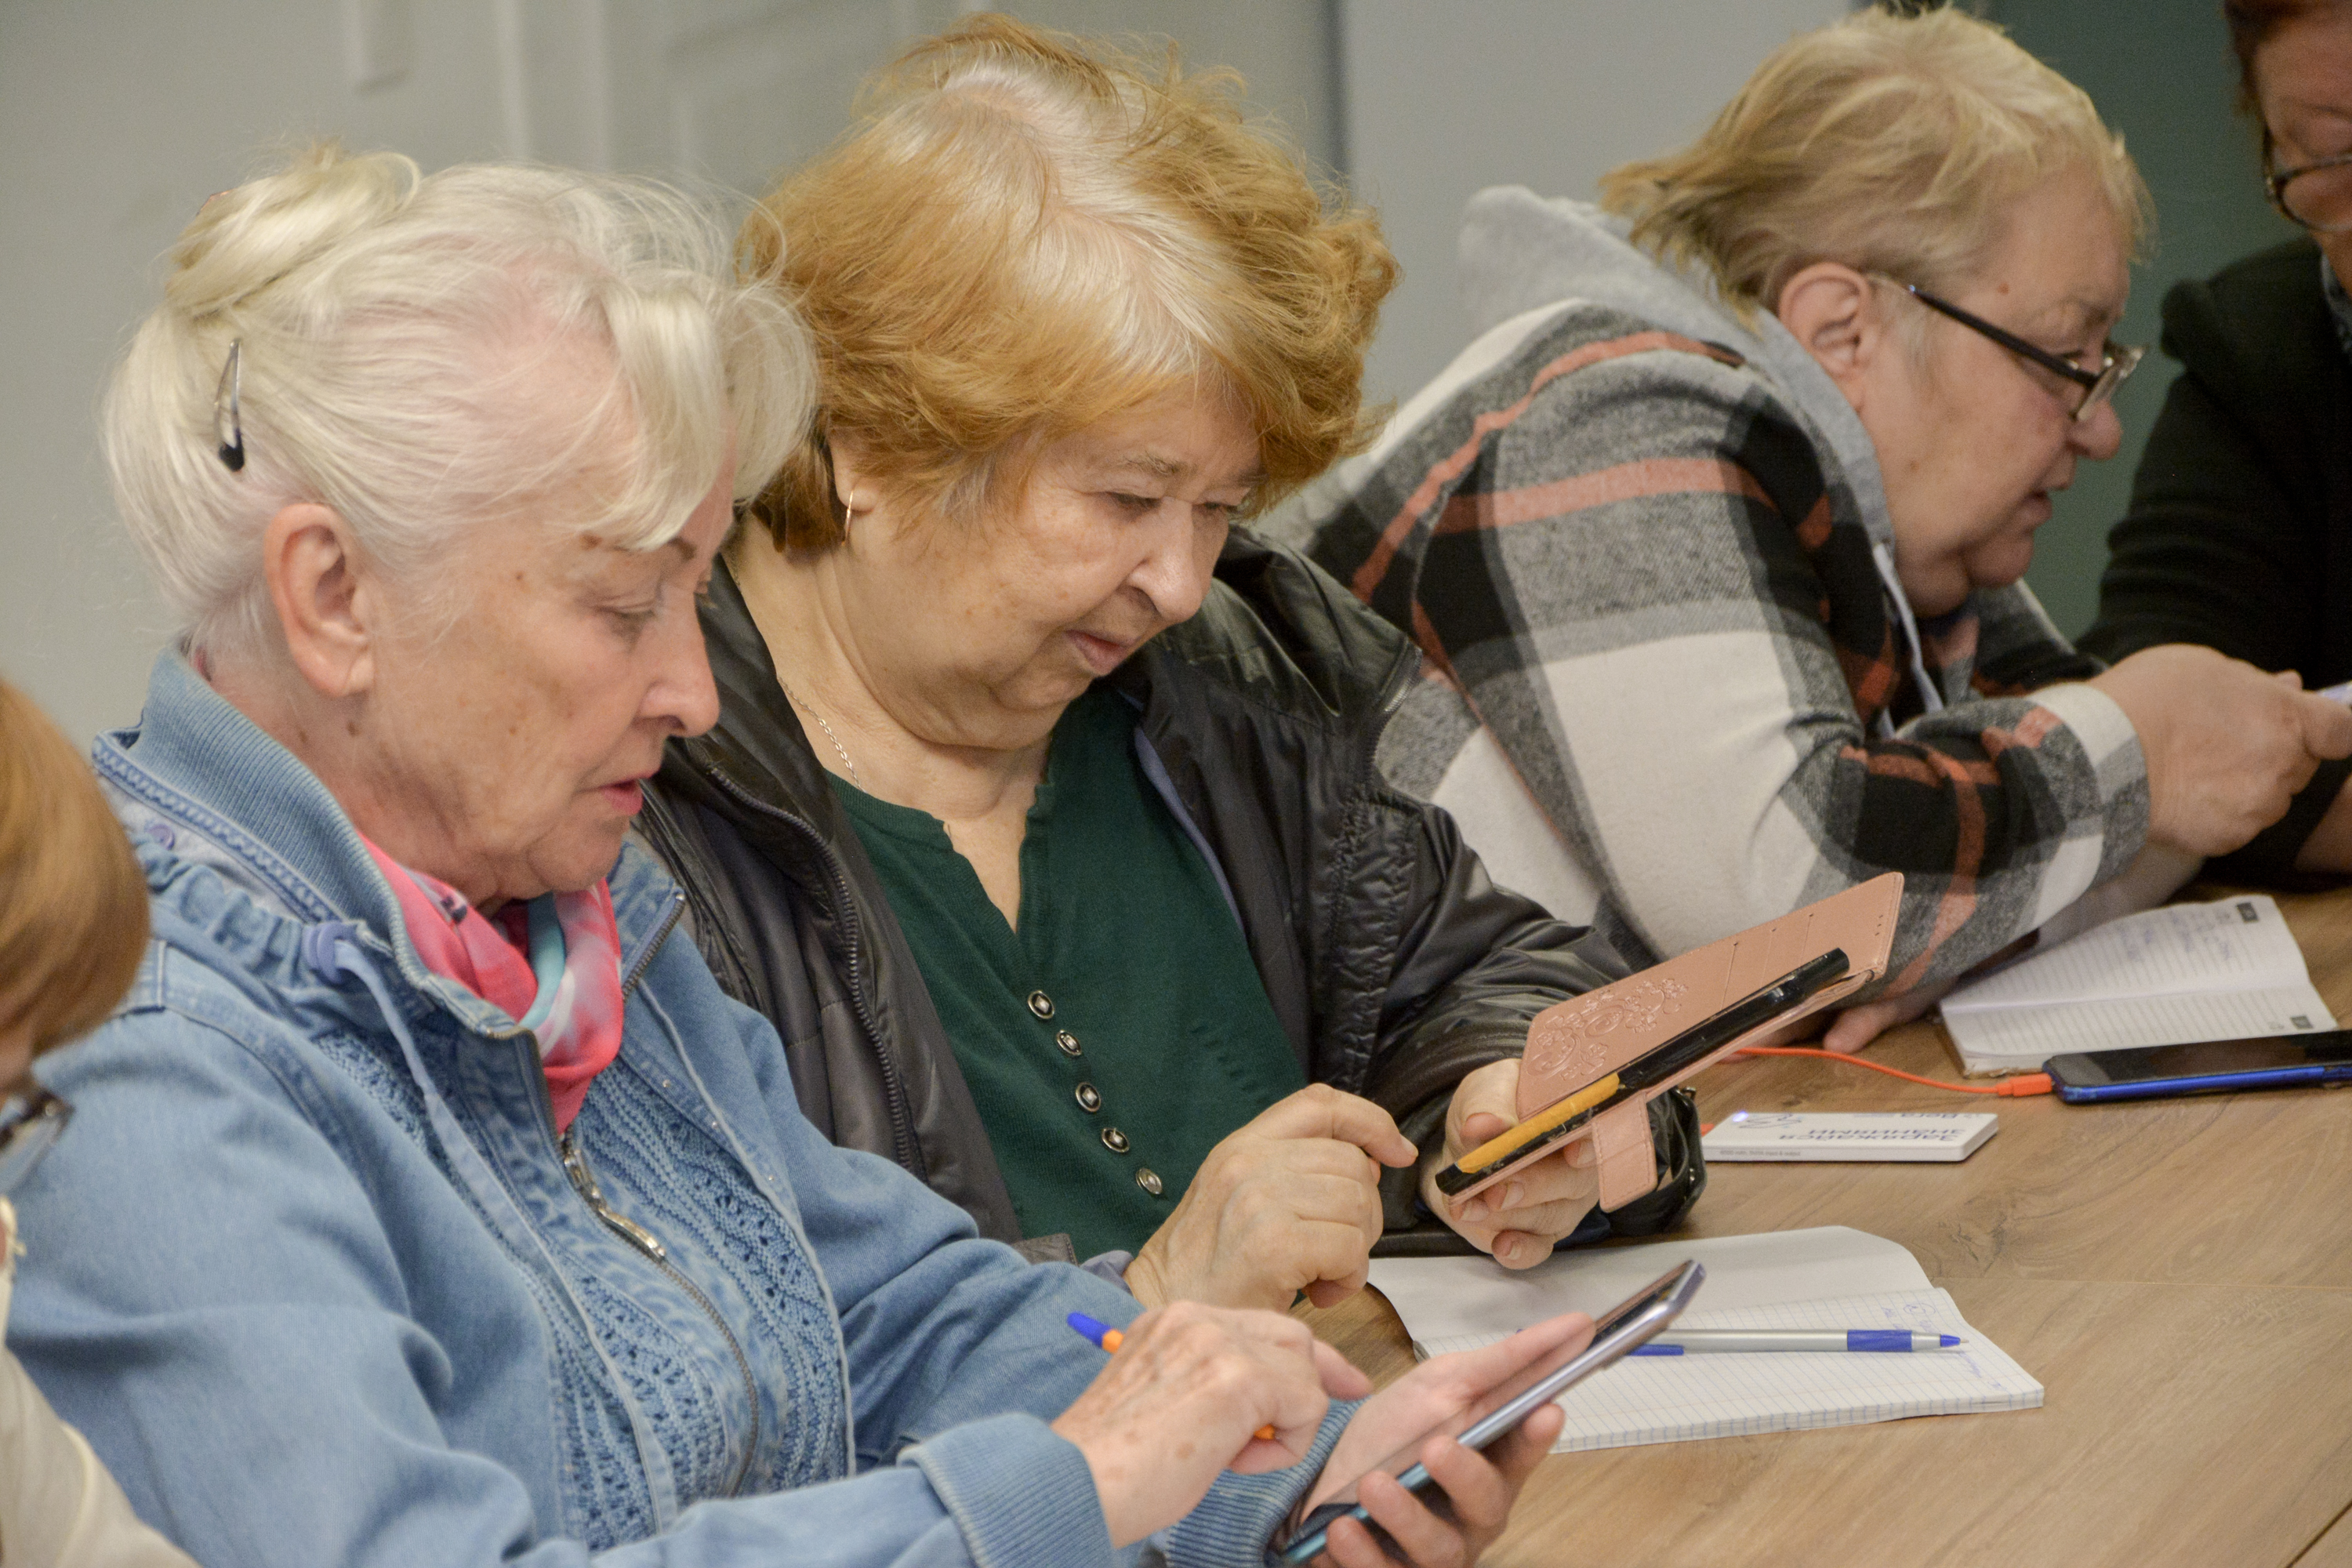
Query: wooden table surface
[2177, 1273]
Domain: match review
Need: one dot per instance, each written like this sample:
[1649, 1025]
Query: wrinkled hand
[1479, 1487]
[2226, 746]
[1519, 1217]
[1857, 1027]
[1289, 1202]
[1184, 1399]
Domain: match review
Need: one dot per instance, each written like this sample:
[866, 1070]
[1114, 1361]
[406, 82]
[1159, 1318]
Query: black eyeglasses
[2318, 195]
[2117, 362]
[29, 1124]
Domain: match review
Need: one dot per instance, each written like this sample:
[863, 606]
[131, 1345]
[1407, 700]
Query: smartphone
[1501, 1408]
[2147, 1072]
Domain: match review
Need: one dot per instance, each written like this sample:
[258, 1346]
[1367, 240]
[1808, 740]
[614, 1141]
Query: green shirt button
[1126, 956]
[1089, 1100]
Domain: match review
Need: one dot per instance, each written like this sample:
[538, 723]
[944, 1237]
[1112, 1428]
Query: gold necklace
[842, 751]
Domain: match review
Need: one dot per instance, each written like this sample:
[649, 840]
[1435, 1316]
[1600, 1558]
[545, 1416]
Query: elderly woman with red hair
[1043, 815]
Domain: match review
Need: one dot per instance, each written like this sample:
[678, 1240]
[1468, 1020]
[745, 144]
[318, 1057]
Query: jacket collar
[1283, 635]
[1274, 628]
[206, 786]
[757, 747]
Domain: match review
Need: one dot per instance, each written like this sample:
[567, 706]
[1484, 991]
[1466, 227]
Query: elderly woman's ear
[1832, 310]
[325, 599]
[852, 490]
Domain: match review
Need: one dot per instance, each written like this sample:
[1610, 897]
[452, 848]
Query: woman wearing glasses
[73, 922]
[2240, 534]
[1717, 534]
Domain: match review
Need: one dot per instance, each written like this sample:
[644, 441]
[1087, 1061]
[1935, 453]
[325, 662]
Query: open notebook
[2170, 976]
[1829, 1277]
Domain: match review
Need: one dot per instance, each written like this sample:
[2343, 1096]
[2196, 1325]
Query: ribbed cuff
[1022, 1495]
[1237, 1521]
[2111, 749]
[2110, 745]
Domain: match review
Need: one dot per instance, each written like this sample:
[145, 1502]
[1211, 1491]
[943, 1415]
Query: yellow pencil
[1500, 1147]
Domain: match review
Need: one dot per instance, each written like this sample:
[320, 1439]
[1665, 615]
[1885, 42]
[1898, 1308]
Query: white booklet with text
[1826, 1278]
[2168, 976]
[1789, 1136]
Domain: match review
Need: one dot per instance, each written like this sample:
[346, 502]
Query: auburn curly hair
[1027, 233]
[73, 903]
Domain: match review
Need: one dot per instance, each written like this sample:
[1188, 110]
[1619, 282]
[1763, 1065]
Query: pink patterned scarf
[553, 964]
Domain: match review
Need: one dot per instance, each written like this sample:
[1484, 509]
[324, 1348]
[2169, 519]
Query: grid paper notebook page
[1829, 1277]
[2168, 976]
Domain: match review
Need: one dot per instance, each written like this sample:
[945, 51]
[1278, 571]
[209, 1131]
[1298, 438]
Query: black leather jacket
[1393, 963]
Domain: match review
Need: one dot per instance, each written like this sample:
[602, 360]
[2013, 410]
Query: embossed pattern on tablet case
[1577, 1042]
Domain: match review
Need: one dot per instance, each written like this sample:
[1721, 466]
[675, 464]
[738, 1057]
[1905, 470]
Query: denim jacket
[320, 1281]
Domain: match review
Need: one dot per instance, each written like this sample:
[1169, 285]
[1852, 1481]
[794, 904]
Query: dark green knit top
[1123, 1030]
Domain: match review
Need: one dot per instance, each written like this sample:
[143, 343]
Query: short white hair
[386, 323]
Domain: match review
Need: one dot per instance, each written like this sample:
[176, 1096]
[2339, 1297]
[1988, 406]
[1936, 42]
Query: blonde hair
[1028, 234]
[387, 323]
[1890, 143]
[73, 904]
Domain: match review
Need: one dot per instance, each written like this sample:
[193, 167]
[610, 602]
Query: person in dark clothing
[2240, 531]
[1088, 904]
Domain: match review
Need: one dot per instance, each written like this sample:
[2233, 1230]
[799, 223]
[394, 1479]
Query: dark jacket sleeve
[1397, 963]
[2236, 538]
[1476, 965]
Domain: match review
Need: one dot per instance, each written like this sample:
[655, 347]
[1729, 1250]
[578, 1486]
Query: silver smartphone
[1485, 1418]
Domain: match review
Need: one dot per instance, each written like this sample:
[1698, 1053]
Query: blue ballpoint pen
[1693, 1342]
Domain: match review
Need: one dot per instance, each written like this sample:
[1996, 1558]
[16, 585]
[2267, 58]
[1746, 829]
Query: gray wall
[116, 119]
[119, 116]
[1442, 100]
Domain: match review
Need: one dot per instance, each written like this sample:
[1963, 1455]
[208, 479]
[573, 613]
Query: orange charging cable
[2023, 1084]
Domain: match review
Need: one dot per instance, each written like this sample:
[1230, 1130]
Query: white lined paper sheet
[1674, 1399]
[2170, 976]
[1753, 1281]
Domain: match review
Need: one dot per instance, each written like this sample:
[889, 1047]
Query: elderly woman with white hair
[428, 1202]
[1714, 537]
[1041, 815]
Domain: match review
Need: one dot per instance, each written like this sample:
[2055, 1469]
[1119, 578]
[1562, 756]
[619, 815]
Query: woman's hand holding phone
[1517, 1220]
[1480, 1486]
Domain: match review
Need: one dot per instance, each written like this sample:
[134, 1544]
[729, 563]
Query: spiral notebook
[1826, 1278]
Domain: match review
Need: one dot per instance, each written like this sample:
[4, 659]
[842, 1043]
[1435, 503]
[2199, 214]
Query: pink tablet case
[1578, 1042]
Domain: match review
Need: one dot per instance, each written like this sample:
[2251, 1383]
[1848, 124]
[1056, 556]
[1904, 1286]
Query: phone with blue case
[2208, 1066]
